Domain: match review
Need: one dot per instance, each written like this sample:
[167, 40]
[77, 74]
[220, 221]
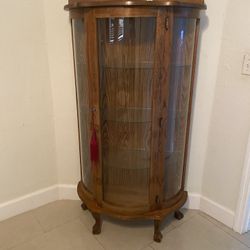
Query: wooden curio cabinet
[134, 70]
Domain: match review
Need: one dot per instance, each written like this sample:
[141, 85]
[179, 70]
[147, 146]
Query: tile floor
[63, 225]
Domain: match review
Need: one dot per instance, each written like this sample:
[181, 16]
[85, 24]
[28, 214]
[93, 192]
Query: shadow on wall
[204, 24]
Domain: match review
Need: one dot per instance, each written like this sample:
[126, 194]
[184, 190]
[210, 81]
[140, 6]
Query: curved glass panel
[82, 88]
[180, 83]
[126, 54]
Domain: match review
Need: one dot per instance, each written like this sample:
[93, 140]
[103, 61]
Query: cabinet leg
[84, 207]
[178, 215]
[157, 232]
[98, 224]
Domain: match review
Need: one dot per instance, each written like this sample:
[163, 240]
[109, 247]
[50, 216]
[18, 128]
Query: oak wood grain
[140, 69]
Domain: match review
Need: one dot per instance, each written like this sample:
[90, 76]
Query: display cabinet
[134, 72]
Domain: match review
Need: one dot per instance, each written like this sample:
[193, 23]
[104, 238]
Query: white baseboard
[218, 212]
[68, 192]
[248, 226]
[193, 201]
[37, 199]
[28, 202]
[242, 214]
[213, 209]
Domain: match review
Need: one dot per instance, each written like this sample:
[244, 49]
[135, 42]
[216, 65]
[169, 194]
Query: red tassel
[94, 149]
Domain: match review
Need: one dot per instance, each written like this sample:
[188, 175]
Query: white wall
[212, 22]
[230, 119]
[27, 149]
[58, 32]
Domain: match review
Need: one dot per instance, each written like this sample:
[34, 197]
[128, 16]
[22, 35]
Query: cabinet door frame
[91, 16]
[184, 13]
[160, 91]
[79, 16]
[93, 76]
[160, 104]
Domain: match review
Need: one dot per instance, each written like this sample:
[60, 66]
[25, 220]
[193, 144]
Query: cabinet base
[157, 215]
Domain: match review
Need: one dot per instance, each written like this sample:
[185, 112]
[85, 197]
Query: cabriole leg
[157, 232]
[84, 207]
[178, 215]
[98, 224]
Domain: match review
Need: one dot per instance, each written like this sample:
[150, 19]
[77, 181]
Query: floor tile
[122, 229]
[148, 248]
[87, 219]
[64, 225]
[57, 213]
[245, 238]
[18, 230]
[70, 236]
[79, 236]
[196, 234]
[167, 224]
[188, 214]
[124, 235]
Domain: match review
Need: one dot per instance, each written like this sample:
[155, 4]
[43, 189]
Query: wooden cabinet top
[72, 4]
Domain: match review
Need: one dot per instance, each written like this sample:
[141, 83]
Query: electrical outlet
[246, 65]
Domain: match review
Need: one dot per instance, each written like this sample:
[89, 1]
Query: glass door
[126, 48]
[183, 44]
[79, 36]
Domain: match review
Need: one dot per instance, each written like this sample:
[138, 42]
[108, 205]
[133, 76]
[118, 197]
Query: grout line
[82, 222]
[28, 240]
[147, 245]
[55, 227]
[97, 238]
[243, 243]
[100, 243]
[174, 226]
[221, 228]
[184, 221]
[38, 221]
[89, 230]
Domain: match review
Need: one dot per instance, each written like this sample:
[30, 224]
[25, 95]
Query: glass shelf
[121, 176]
[126, 158]
[82, 87]
[126, 149]
[127, 115]
[181, 65]
[126, 62]
[178, 104]
[119, 135]
[136, 195]
[129, 66]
